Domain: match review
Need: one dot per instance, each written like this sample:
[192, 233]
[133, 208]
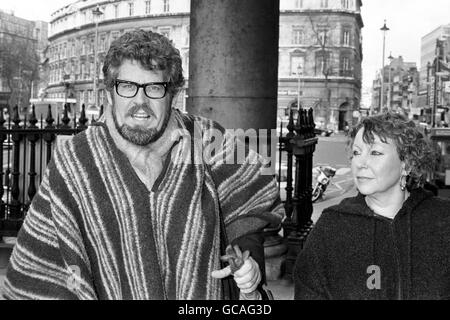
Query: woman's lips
[363, 178]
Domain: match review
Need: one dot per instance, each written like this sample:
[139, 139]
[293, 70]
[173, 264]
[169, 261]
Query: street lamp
[97, 13]
[390, 58]
[384, 29]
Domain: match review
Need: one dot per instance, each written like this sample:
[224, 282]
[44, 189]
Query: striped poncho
[94, 231]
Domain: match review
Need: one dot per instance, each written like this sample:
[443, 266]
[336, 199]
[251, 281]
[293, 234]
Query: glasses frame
[138, 86]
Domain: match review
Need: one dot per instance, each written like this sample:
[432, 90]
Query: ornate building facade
[320, 59]
[323, 37]
[401, 88]
[74, 28]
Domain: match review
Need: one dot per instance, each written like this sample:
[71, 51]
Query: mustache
[143, 106]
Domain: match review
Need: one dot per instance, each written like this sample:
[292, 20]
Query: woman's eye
[355, 153]
[376, 153]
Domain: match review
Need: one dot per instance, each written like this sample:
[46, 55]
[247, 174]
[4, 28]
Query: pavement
[283, 289]
[330, 151]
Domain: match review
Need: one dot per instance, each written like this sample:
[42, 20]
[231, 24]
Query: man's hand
[246, 271]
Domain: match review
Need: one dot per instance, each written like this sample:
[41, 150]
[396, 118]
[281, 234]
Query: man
[132, 208]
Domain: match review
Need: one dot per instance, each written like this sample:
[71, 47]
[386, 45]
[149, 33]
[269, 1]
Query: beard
[136, 134]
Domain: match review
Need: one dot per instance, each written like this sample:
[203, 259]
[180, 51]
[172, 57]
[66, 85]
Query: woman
[392, 241]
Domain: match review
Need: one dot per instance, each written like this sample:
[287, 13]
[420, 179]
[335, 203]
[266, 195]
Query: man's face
[140, 119]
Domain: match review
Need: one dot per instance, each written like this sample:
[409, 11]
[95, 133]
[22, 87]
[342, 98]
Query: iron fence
[299, 144]
[26, 147]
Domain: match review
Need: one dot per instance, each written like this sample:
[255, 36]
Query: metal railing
[299, 144]
[26, 147]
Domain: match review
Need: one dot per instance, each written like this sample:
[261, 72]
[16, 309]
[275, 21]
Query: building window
[147, 6]
[92, 45]
[102, 45]
[114, 35]
[345, 65]
[346, 37]
[186, 39]
[298, 4]
[102, 16]
[165, 31]
[345, 4]
[297, 65]
[101, 76]
[322, 37]
[324, 3]
[116, 11]
[298, 35]
[166, 6]
[91, 70]
[102, 97]
[83, 47]
[186, 64]
[74, 69]
[322, 65]
[130, 8]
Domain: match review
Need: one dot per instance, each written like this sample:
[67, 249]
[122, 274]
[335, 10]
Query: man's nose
[140, 96]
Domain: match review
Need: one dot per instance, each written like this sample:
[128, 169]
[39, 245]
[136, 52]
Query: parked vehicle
[323, 180]
[323, 132]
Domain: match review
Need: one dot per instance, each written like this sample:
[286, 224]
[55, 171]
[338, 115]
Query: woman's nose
[361, 162]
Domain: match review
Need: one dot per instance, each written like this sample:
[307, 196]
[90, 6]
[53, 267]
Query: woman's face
[377, 168]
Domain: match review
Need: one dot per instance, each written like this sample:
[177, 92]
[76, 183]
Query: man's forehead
[133, 68]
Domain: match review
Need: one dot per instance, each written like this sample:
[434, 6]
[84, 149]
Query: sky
[408, 20]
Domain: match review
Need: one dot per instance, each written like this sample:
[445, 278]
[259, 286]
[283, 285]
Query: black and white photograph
[279, 150]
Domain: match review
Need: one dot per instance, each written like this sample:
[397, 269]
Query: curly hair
[152, 50]
[412, 146]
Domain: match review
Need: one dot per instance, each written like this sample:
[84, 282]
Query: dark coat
[353, 253]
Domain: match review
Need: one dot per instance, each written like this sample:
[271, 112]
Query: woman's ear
[405, 169]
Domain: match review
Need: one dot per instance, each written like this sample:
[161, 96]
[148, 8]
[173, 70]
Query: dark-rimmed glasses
[129, 89]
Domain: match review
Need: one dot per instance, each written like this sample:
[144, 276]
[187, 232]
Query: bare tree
[321, 38]
[19, 66]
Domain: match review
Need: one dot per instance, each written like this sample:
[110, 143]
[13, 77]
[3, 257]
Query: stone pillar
[233, 62]
[233, 76]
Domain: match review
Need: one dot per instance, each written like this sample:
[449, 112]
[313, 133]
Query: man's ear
[405, 169]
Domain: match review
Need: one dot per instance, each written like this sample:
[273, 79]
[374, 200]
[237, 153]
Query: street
[332, 151]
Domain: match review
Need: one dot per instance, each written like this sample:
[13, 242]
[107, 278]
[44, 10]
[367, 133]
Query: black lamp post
[384, 29]
[97, 13]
